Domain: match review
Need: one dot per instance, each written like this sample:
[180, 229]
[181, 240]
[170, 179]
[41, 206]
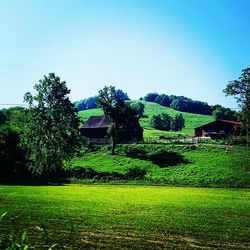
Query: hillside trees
[240, 89]
[178, 123]
[180, 103]
[90, 102]
[220, 112]
[12, 155]
[121, 95]
[139, 108]
[167, 123]
[53, 136]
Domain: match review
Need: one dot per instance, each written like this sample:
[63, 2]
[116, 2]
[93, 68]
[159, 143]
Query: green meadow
[127, 217]
[191, 196]
[182, 165]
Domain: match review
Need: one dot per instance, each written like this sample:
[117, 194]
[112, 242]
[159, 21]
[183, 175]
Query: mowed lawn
[128, 217]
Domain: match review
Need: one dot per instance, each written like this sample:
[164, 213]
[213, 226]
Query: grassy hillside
[181, 165]
[126, 217]
[192, 120]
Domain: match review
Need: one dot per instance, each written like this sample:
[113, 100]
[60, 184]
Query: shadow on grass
[33, 182]
[161, 158]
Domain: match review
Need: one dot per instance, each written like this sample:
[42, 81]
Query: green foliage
[138, 107]
[11, 242]
[180, 103]
[220, 112]
[136, 173]
[53, 136]
[121, 115]
[156, 122]
[240, 89]
[161, 122]
[163, 100]
[165, 122]
[177, 123]
[121, 95]
[12, 156]
[150, 97]
[3, 116]
[89, 103]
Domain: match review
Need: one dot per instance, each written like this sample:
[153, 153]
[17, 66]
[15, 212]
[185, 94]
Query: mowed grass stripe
[128, 216]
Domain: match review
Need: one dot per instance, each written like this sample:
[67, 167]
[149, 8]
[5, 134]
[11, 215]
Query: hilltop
[151, 108]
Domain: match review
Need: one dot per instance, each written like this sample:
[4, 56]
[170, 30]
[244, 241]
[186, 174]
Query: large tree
[240, 89]
[53, 136]
[121, 115]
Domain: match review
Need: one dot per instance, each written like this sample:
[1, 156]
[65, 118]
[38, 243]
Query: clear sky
[182, 47]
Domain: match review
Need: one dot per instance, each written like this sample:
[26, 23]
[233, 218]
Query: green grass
[85, 114]
[181, 165]
[127, 217]
[192, 120]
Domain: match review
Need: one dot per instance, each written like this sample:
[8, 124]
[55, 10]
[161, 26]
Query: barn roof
[233, 122]
[226, 121]
[97, 122]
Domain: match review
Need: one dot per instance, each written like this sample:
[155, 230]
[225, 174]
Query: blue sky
[182, 47]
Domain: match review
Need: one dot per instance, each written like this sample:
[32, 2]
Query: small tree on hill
[240, 89]
[162, 122]
[178, 123]
[53, 136]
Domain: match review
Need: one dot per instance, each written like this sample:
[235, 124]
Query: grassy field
[181, 165]
[127, 217]
[192, 120]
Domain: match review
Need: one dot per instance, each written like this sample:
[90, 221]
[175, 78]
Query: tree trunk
[113, 145]
[248, 132]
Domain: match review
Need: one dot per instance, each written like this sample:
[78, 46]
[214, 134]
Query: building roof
[233, 122]
[226, 121]
[97, 122]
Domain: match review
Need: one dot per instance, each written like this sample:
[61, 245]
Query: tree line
[184, 104]
[179, 103]
[90, 102]
[166, 123]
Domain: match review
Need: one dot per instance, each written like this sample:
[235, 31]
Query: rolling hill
[191, 120]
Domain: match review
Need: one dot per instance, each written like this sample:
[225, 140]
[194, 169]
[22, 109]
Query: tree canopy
[166, 122]
[240, 89]
[53, 136]
[121, 115]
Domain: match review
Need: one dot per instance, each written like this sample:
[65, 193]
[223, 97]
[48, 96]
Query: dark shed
[96, 127]
[218, 129]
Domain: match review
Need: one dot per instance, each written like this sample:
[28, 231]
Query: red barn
[218, 129]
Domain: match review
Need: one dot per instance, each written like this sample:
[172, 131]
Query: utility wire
[15, 75]
[18, 67]
[13, 104]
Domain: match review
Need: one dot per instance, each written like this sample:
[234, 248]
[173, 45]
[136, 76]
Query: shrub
[239, 141]
[136, 173]
[134, 152]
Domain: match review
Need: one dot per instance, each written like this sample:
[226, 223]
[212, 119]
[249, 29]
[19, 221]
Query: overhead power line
[18, 67]
[13, 104]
